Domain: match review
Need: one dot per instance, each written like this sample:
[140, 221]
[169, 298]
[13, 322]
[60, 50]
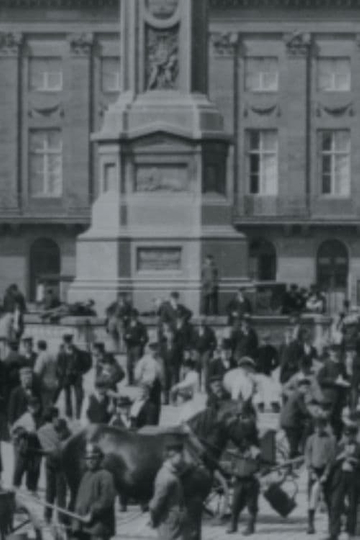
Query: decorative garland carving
[224, 43]
[297, 43]
[10, 43]
[262, 111]
[297, 4]
[162, 58]
[335, 111]
[47, 111]
[81, 44]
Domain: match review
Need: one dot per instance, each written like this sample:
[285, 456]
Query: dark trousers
[55, 487]
[77, 388]
[344, 487]
[295, 439]
[246, 494]
[134, 354]
[203, 368]
[27, 464]
[210, 303]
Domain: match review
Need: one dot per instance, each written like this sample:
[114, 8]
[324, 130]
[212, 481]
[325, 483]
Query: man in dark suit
[72, 365]
[13, 362]
[245, 342]
[29, 353]
[172, 310]
[117, 319]
[20, 396]
[204, 343]
[135, 337]
[210, 286]
[143, 412]
[238, 307]
[222, 361]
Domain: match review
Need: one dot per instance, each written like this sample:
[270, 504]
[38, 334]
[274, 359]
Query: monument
[164, 200]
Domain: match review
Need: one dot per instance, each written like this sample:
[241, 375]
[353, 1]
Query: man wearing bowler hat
[95, 500]
[135, 337]
[167, 509]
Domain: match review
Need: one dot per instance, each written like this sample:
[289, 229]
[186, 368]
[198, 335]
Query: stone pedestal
[165, 202]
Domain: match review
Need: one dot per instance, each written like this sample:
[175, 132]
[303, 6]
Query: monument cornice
[285, 4]
[58, 4]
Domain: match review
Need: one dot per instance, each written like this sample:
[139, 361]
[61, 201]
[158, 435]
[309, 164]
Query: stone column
[80, 116]
[297, 116]
[11, 122]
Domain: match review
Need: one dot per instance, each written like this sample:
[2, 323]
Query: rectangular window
[261, 74]
[110, 74]
[46, 75]
[334, 74]
[263, 162]
[335, 162]
[45, 167]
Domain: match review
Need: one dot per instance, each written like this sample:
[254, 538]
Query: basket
[280, 500]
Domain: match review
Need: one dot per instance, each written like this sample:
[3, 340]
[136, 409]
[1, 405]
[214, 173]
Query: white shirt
[190, 382]
[240, 384]
[147, 370]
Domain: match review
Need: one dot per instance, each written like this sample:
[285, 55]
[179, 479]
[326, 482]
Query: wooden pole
[52, 506]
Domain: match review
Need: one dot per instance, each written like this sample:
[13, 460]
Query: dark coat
[111, 371]
[166, 506]
[244, 344]
[241, 308]
[184, 336]
[169, 314]
[120, 312]
[267, 359]
[18, 402]
[209, 278]
[290, 356]
[327, 376]
[218, 369]
[205, 342]
[97, 495]
[136, 336]
[12, 364]
[170, 353]
[294, 412]
[148, 416]
[98, 411]
[72, 366]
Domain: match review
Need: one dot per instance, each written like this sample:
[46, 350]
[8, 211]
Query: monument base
[149, 268]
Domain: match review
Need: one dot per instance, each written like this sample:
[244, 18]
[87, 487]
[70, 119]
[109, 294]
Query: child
[320, 451]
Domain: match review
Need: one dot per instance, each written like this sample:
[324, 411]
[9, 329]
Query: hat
[246, 361]
[68, 338]
[93, 450]
[123, 401]
[175, 295]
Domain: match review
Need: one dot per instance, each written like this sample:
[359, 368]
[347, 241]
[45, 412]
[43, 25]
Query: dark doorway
[262, 260]
[45, 265]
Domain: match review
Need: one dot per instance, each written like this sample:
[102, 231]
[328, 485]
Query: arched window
[333, 266]
[45, 265]
[262, 260]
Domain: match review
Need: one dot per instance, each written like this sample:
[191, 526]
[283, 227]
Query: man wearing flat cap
[135, 337]
[167, 509]
[95, 501]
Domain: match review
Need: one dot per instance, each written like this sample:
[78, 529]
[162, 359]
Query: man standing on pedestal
[210, 286]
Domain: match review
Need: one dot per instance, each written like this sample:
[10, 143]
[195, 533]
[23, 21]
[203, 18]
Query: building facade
[284, 74]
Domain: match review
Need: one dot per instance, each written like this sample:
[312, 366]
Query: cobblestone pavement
[134, 524]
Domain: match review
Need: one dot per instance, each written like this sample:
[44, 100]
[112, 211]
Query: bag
[280, 500]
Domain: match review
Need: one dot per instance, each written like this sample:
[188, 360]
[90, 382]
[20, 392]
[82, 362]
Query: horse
[134, 458]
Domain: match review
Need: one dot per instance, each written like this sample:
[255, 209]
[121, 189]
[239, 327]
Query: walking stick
[51, 506]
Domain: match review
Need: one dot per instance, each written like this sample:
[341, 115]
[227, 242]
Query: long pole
[52, 506]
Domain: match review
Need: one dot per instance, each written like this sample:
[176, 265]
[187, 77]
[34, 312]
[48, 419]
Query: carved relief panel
[162, 58]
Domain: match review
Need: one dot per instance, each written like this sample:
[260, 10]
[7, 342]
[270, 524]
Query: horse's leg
[194, 519]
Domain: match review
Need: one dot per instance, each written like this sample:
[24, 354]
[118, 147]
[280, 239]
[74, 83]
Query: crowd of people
[316, 394]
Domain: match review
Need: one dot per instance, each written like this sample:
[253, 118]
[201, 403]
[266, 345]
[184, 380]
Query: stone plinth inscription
[158, 259]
